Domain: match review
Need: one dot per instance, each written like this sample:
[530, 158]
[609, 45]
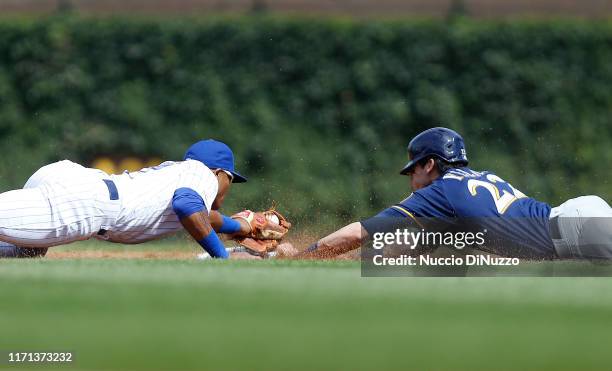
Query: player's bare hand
[285, 251]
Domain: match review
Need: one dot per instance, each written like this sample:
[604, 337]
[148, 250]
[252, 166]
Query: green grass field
[179, 314]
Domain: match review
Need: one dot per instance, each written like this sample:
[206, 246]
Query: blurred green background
[318, 111]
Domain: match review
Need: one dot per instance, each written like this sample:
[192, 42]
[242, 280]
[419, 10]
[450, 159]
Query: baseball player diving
[65, 202]
[445, 188]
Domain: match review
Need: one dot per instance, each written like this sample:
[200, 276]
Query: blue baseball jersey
[485, 199]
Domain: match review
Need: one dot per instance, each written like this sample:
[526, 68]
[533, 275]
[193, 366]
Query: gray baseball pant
[582, 228]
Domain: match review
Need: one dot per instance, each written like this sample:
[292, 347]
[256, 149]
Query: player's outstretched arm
[191, 211]
[339, 242]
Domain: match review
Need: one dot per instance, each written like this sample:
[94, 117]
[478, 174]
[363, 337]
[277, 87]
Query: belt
[112, 189]
[113, 194]
[561, 246]
[553, 226]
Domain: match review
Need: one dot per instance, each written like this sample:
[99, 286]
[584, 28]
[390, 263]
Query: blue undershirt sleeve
[186, 201]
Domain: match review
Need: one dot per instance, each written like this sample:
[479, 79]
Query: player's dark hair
[442, 165]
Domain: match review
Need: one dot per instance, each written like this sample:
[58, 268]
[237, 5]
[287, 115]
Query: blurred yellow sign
[117, 166]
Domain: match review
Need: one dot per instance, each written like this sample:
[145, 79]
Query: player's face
[224, 184]
[421, 176]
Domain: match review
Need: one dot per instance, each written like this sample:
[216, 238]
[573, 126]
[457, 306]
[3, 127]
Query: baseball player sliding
[444, 188]
[65, 202]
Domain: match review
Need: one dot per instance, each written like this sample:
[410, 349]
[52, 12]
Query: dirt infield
[166, 255]
[114, 254]
[178, 249]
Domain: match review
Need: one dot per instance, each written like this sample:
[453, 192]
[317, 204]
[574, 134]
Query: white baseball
[274, 219]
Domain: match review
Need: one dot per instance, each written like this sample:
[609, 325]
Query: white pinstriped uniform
[65, 202]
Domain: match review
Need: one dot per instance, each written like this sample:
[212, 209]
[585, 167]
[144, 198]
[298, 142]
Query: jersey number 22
[502, 200]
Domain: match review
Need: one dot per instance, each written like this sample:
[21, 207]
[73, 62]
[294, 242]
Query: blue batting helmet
[442, 143]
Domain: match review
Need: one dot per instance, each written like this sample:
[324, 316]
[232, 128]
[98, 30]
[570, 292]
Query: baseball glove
[267, 229]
